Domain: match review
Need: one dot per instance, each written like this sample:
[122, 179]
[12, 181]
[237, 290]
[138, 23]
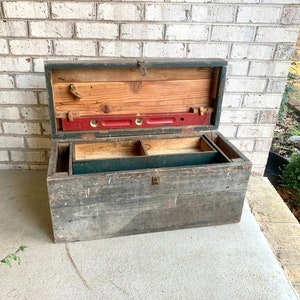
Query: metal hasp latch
[142, 66]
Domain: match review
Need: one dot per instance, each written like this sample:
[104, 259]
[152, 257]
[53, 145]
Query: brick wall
[257, 37]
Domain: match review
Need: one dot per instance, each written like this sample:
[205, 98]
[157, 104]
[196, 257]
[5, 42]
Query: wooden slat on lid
[136, 97]
[133, 74]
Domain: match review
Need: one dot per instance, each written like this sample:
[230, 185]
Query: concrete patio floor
[221, 262]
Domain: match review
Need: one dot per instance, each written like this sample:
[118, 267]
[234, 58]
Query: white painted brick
[11, 113]
[189, 1]
[243, 144]
[15, 64]
[120, 49]
[252, 51]
[39, 142]
[276, 85]
[274, 69]
[213, 13]
[78, 48]
[3, 46]
[11, 142]
[119, 11]
[13, 28]
[48, 29]
[43, 98]
[46, 128]
[228, 130]
[34, 113]
[164, 49]
[17, 97]
[245, 85]
[236, 1]
[73, 10]
[188, 32]
[258, 158]
[268, 116]
[167, 12]
[142, 31]
[238, 68]
[30, 47]
[258, 14]
[277, 34]
[4, 155]
[284, 52]
[232, 100]
[263, 145]
[291, 15]
[31, 81]
[6, 82]
[97, 30]
[39, 167]
[21, 128]
[239, 116]
[25, 10]
[14, 166]
[262, 100]
[22, 156]
[280, 1]
[38, 63]
[233, 33]
[205, 50]
[255, 131]
[258, 170]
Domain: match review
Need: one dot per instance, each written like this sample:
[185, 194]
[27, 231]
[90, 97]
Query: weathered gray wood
[149, 197]
[94, 221]
[98, 206]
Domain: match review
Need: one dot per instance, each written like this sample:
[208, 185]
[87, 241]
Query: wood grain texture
[129, 74]
[132, 97]
[139, 147]
[104, 205]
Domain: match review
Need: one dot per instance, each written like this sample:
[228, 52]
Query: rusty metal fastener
[155, 180]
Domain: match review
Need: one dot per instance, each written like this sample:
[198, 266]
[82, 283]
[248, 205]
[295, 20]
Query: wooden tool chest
[135, 148]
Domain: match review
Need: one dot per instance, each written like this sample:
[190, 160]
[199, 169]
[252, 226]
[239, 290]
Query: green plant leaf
[22, 248]
[13, 256]
[7, 262]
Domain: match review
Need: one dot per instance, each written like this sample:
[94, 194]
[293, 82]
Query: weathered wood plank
[127, 148]
[132, 97]
[129, 186]
[99, 220]
[130, 74]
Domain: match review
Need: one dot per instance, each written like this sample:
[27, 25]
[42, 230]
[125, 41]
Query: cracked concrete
[220, 262]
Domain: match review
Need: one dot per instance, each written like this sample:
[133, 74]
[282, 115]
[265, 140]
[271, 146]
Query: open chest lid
[134, 97]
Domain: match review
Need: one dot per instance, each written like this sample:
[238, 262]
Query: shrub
[291, 174]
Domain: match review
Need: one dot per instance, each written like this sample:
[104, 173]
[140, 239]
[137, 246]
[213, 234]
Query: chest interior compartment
[136, 148]
[130, 100]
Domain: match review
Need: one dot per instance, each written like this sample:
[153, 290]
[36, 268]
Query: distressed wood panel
[132, 97]
[102, 220]
[129, 74]
[133, 148]
[129, 186]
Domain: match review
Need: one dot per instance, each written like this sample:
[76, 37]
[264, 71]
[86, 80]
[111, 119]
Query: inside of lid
[112, 98]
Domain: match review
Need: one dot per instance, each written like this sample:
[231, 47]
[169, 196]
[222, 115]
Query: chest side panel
[113, 204]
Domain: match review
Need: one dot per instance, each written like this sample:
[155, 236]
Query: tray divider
[142, 148]
[214, 145]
